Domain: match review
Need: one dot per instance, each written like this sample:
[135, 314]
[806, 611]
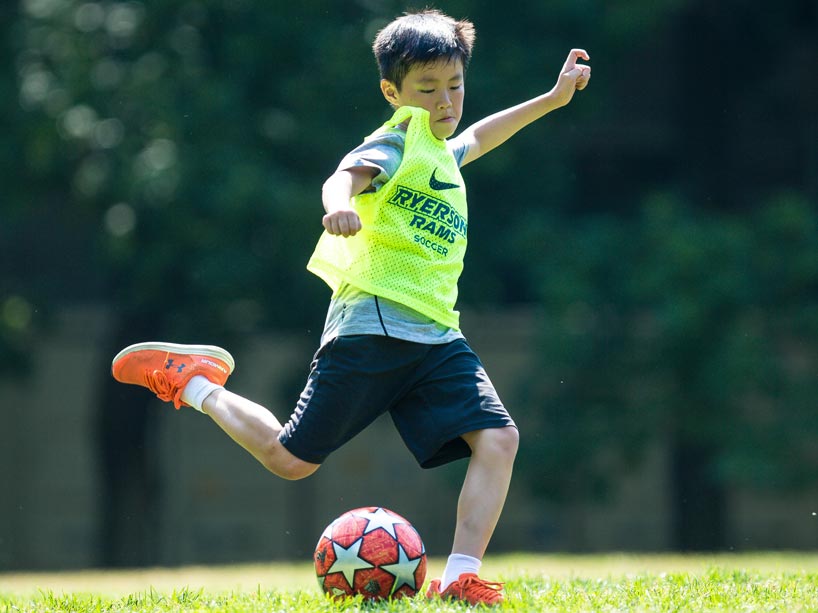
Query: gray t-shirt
[352, 311]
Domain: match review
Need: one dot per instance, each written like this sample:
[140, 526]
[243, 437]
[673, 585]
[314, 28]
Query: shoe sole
[210, 351]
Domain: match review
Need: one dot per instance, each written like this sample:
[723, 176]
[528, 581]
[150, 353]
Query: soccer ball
[373, 552]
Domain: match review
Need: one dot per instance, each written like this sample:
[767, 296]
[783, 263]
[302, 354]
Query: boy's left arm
[495, 129]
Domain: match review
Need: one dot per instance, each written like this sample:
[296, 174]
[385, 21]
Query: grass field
[757, 582]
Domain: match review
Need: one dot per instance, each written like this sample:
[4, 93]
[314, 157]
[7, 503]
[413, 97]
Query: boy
[392, 252]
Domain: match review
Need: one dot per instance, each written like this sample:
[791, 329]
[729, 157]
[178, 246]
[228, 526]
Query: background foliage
[166, 158]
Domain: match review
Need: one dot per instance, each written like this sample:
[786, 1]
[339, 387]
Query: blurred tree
[696, 329]
[168, 157]
[674, 113]
[175, 155]
[18, 316]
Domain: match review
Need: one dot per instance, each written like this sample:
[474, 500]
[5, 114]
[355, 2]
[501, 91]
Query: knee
[279, 461]
[296, 469]
[499, 443]
[507, 440]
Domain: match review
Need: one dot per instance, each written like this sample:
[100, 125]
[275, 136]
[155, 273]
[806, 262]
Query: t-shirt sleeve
[459, 150]
[383, 152]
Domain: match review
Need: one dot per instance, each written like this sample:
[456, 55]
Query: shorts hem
[443, 456]
[304, 457]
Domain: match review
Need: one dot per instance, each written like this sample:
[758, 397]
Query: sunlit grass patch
[760, 582]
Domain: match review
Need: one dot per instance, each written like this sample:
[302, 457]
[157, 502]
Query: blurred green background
[648, 256]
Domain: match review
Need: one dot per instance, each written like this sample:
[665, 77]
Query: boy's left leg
[451, 410]
[481, 501]
[484, 488]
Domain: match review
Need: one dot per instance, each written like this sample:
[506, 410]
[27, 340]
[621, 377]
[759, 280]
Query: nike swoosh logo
[440, 185]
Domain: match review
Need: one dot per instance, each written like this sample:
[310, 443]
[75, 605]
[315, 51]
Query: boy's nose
[444, 101]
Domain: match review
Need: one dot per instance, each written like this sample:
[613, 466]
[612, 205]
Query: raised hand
[573, 76]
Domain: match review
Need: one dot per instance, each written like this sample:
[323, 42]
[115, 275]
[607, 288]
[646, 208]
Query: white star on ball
[404, 570]
[347, 561]
[381, 519]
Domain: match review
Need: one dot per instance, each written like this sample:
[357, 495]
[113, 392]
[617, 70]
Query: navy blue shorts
[434, 394]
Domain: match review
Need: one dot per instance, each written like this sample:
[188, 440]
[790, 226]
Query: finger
[579, 53]
[353, 224]
[343, 226]
[583, 78]
[573, 55]
[326, 221]
[574, 73]
[333, 225]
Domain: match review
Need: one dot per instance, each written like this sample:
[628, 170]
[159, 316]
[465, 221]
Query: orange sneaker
[469, 588]
[165, 368]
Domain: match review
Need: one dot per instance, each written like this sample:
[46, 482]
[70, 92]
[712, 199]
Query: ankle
[456, 565]
[197, 390]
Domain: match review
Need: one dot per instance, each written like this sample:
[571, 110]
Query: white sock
[456, 565]
[197, 389]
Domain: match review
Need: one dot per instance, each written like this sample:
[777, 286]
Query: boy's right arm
[336, 195]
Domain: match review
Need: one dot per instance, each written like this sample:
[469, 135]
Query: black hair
[421, 38]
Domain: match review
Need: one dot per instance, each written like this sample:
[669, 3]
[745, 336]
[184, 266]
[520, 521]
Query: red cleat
[468, 588]
[165, 368]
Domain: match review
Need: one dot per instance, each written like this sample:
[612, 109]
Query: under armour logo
[170, 364]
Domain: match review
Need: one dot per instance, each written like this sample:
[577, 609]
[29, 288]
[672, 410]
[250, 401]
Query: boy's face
[436, 87]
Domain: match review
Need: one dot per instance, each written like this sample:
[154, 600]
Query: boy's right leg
[256, 429]
[167, 368]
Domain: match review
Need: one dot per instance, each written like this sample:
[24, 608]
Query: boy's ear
[389, 91]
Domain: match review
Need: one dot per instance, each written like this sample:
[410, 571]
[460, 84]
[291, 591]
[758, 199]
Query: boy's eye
[426, 91]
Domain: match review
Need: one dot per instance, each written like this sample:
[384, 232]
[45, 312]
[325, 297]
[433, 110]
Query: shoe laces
[479, 588]
[157, 382]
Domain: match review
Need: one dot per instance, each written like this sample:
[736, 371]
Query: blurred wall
[215, 504]
[663, 230]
